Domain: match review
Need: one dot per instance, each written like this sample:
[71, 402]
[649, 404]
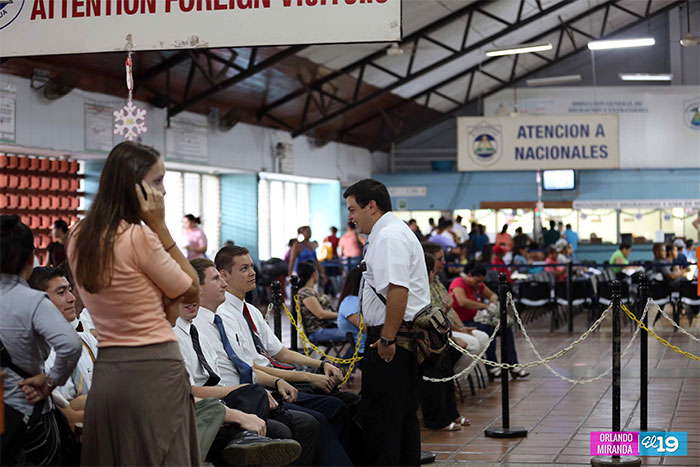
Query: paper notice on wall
[99, 123]
[8, 104]
[187, 140]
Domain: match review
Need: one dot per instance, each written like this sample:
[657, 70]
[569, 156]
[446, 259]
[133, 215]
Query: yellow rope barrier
[631, 316]
[306, 342]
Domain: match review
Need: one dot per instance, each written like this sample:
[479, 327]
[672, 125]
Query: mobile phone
[143, 191]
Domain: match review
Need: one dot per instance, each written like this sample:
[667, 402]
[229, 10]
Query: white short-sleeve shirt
[394, 256]
[209, 332]
[198, 375]
[80, 380]
[231, 311]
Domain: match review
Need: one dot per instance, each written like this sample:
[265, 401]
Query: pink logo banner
[613, 443]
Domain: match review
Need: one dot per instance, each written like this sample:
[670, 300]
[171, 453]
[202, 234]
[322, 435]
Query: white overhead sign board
[41, 27]
[537, 142]
[637, 204]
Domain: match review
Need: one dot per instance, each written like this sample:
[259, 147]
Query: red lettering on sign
[93, 8]
[131, 9]
[51, 9]
[150, 4]
[186, 5]
[218, 5]
[76, 5]
[38, 10]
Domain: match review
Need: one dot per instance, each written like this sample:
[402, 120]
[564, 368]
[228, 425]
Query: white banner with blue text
[47, 27]
[537, 143]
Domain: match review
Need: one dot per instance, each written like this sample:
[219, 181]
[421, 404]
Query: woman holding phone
[129, 273]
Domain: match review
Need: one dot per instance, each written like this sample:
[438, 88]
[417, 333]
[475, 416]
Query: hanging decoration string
[130, 121]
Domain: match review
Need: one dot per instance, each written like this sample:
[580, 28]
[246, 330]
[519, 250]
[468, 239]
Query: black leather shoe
[427, 457]
[249, 448]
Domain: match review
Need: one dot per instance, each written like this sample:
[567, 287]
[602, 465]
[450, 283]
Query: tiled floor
[559, 416]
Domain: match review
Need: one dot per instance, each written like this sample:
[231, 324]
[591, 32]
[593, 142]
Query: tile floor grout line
[540, 421]
[497, 418]
[575, 432]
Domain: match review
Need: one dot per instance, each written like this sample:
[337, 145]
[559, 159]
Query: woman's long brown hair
[116, 200]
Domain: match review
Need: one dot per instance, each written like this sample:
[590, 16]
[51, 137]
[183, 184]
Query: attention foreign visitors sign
[537, 142]
[42, 27]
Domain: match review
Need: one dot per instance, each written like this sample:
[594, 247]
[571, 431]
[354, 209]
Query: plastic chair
[689, 299]
[534, 294]
[661, 293]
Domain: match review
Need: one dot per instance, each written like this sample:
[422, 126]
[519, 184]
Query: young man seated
[54, 282]
[229, 326]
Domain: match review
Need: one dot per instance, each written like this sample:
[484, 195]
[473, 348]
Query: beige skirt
[140, 409]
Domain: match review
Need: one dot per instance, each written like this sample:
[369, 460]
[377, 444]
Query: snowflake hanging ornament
[130, 121]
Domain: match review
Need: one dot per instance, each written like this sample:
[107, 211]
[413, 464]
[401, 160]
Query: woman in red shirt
[468, 292]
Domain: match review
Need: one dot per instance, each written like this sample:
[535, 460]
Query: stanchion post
[616, 290]
[505, 431]
[277, 307]
[292, 330]
[643, 355]
[616, 297]
[569, 293]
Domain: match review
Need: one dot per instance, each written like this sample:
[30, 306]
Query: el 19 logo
[660, 443]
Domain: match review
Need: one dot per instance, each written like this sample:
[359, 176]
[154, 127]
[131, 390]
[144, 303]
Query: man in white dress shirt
[203, 365]
[255, 343]
[54, 282]
[395, 289]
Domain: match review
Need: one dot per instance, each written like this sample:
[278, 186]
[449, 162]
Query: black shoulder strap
[380, 296]
[6, 362]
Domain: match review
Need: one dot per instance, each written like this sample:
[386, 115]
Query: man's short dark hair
[568, 226]
[368, 190]
[625, 246]
[552, 224]
[658, 248]
[61, 225]
[201, 265]
[224, 257]
[689, 243]
[431, 248]
[459, 219]
[334, 229]
[412, 221]
[351, 226]
[39, 280]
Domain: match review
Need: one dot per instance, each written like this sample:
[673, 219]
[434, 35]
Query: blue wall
[466, 190]
[239, 211]
[324, 201]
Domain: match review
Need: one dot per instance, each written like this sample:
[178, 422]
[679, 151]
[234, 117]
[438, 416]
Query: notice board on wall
[42, 27]
[537, 143]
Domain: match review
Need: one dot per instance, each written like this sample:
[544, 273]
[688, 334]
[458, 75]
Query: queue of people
[162, 360]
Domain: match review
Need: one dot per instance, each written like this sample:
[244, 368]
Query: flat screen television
[558, 180]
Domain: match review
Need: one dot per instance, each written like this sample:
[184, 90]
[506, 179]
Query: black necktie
[213, 377]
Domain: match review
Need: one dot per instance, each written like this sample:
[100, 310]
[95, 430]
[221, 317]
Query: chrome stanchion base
[500, 432]
[610, 460]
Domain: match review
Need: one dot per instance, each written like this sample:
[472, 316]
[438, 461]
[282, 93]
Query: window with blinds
[283, 207]
[196, 194]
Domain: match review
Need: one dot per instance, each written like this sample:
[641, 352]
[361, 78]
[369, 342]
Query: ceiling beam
[252, 70]
[402, 81]
[452, 113]
[346, 70]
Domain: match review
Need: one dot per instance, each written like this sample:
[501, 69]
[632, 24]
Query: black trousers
[281, 424]
[438, 400]
[389, 405]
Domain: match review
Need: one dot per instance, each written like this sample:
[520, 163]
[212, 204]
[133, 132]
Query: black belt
[405, 325]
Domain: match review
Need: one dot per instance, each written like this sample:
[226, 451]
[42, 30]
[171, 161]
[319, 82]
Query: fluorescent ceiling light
[519, 49]
[552, 80]
[646, 76]
[621, 43]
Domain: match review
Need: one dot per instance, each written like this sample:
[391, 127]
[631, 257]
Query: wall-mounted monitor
[558, 180]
